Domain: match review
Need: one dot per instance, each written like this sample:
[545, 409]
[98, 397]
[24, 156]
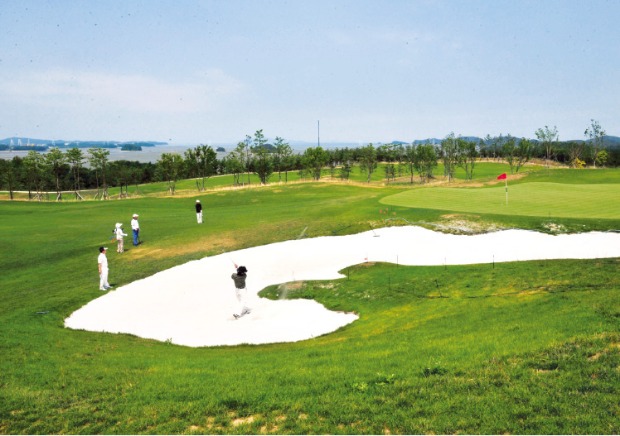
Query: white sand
[192, 304]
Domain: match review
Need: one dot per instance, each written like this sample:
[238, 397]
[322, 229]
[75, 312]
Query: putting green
[529, 199]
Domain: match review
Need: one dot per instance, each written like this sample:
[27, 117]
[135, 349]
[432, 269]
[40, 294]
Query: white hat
[197, 201]
[135, 214]
[118, 225]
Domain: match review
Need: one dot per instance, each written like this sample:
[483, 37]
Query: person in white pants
[102, 260]
[198, 212]
[119, 237]
[241, 291]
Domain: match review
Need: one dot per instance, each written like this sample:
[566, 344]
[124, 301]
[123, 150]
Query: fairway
[494, 347]
[526, 199]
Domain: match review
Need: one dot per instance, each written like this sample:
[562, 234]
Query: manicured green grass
[525, 199]
[529, 347]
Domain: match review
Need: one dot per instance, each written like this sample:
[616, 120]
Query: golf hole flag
[503, 177]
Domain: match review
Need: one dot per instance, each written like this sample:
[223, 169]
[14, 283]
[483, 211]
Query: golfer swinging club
[241, 291]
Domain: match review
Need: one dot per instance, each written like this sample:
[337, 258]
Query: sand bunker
[192, 304]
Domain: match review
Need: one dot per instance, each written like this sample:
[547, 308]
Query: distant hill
[611, 141]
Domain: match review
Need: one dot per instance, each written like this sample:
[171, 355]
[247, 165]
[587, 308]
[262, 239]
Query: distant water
[148, 154]
[152, 154]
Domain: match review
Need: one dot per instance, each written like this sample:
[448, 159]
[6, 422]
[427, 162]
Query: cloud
[67, 89]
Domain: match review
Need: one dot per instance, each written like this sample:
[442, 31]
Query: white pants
[242, 297]
[103, 279]
[199, 217]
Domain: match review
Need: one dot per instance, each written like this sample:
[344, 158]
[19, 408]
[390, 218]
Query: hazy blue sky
[211, 72]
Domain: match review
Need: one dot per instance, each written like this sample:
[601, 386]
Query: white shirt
[134, 224]
[103, 261]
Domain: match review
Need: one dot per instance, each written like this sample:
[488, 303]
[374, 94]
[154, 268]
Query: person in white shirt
[135, 228]
[119, 237]
[102, 260]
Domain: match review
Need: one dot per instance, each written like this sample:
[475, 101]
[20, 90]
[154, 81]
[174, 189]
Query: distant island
[26, 144]
[131, 147]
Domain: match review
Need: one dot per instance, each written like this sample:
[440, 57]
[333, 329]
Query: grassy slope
[522, 348]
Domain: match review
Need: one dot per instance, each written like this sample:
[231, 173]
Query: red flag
[501, 176]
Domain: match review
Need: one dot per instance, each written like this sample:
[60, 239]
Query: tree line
[74, 170]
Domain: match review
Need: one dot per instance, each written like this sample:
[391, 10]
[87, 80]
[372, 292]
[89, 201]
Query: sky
[211, 72]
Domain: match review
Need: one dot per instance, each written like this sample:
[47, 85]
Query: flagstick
[506, 179]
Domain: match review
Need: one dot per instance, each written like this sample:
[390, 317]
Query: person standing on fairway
[119, 237]
[198, 212]
[135, 228]
[241, 291]
[102, 260]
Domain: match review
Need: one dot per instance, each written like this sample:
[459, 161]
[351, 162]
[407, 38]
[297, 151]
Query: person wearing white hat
[198, 212]
[102, 262]
[119, 237]
[135, 228]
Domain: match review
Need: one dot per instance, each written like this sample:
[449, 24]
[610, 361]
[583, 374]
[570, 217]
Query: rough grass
[527, 347]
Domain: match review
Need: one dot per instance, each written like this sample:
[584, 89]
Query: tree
[449, 155]
[263, 162]
[263, 165]
[368, 160]
[492, 146]
[34, 166]
[509, 151]
[601, 158]
[259, 140]
[170, 166]
[234, 163]
[596, 135]
[548, 138]
[8, 175]
[243, 154]
[468, 154]
[282, 158]
[136, 175]
[410, 159]
[523, 153]
[122, 173]
[517, 152]
[345, 164]
[191, 165]
[399, 155]
[55, 159]
[389, 154]
[332, 162]
[98, 160]
[75, 157]
[390, 172]
[575, 151]
[201, 163]
[314, 159]
[425, 160]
